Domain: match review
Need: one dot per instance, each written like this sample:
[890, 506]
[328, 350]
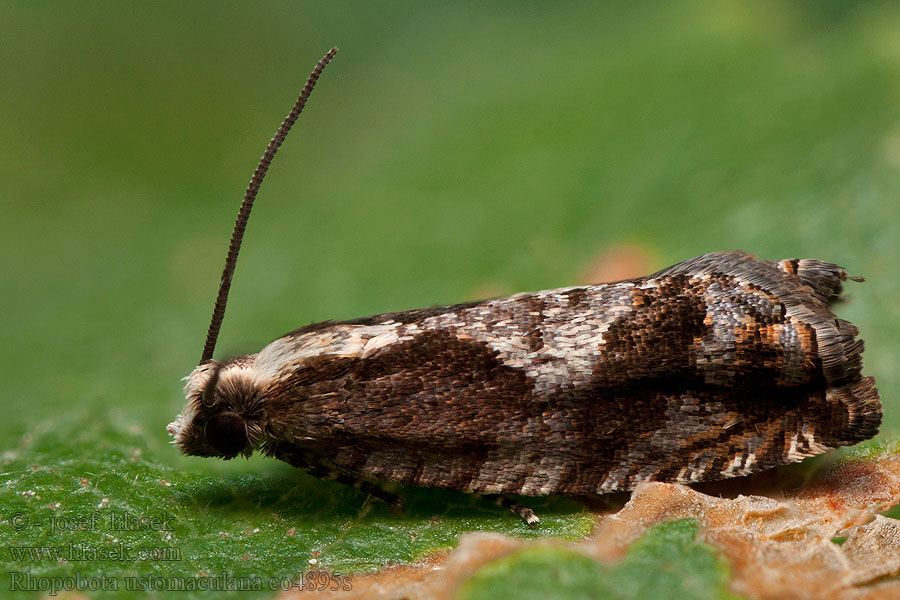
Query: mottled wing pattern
[719, 366]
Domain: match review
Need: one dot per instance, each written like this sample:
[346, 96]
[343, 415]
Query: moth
[717, 367]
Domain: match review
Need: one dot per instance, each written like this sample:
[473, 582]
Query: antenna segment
[249, 196]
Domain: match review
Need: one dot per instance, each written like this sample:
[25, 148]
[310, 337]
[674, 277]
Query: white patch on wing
[276, 359]
[613, 481]
[571, 338]
[792, 453]
[543, 479]
[814, 446]
[733, 467]
[376, 343]
[748, 464]
[553, 343]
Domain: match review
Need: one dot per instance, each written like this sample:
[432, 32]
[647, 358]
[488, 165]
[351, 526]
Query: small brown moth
[717, 367]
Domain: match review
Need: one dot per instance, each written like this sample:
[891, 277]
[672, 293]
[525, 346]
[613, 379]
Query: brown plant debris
[823, 541]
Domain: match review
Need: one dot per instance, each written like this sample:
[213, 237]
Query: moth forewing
[717, 367]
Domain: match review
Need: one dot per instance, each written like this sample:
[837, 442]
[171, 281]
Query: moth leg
[523, 512]
[359, 483]
[322, 469]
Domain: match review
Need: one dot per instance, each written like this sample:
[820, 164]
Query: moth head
[223, 413]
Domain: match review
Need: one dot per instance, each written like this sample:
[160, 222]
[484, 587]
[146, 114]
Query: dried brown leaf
[786, 548]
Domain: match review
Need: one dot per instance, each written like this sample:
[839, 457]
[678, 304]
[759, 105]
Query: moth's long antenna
[249, 196]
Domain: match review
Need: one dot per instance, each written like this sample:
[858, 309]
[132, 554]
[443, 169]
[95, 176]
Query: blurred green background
[451, 150]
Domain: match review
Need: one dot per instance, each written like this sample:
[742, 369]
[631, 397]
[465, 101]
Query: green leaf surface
[105, 510]
[667, 562]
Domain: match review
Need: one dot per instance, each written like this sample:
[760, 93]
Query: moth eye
[227, 433]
